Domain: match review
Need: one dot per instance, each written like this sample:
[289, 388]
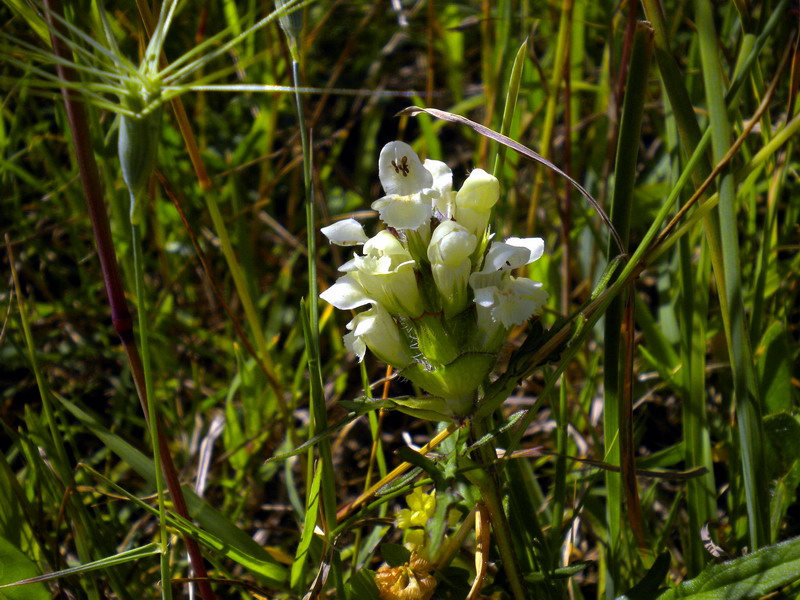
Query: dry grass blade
[520, 149]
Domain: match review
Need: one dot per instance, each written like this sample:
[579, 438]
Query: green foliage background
[712, 376]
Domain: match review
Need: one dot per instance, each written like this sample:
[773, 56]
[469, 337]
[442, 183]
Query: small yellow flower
[414, 538]
[421, 507]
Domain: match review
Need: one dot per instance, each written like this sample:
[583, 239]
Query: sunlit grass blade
[616, 410]
[748, 403]
[104, 563]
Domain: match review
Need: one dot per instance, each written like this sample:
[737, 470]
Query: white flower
[410, 196]
[512, 254]
[513, 302]
[345, 233]
[475, 199]
[502, 300]
[449, 252]
[376, 329]
[385, 274]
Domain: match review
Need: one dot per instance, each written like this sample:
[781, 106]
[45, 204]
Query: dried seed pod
[412, 581]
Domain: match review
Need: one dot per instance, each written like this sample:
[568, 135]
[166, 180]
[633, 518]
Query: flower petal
[442, 175]
[406, 212]
[345, 233]
[347, 293]
[534, 245]
[400, 170]
[518, 299]
[355, 344]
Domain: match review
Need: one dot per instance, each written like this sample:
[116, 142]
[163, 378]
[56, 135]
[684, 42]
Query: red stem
[120, 315]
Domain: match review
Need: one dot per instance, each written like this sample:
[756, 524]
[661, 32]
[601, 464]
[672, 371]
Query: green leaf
[312, 509]
[782, 432]
[750, 576]
[426, 464]
[395, 555]
[650, 586]
[775, 369]
[15, 566]
[362, 586]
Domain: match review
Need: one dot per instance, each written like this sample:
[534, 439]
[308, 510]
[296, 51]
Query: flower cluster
[440, 292]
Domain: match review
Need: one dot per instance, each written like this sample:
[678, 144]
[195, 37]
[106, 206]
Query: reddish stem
[120, 315]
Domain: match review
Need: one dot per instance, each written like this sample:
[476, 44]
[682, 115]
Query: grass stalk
[59, 459]
[292, 29]
[748, 403]
[621, 209]
[152, 416]
[554, 88]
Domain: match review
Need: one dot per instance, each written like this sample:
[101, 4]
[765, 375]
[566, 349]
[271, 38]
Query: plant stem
[120, 315]
[152, 418]
[487, 481]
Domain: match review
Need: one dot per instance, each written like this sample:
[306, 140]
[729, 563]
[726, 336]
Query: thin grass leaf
[104, 563]
[748, 402]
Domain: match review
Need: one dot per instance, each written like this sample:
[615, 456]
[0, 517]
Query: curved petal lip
[346, 294]
[404, 212]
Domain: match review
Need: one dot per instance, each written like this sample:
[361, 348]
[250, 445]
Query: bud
[291, 23]
[449, 253]
[137, 148]
[475, 199]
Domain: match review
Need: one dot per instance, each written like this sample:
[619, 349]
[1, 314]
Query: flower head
[440, 305]
[503, 301]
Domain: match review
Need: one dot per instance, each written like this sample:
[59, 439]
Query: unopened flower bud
[475, 199]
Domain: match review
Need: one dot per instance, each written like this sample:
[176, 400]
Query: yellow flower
[421, 507]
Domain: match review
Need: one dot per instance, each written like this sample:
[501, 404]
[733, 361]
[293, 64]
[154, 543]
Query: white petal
[442, 175]
[346, 294]
[384, 243]
[355, 345]
[345, 233]
[378, 331]
[503, 257]
[518, 299]
[485, 296]
[400, 170]
[406, 212]
[534, 245]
